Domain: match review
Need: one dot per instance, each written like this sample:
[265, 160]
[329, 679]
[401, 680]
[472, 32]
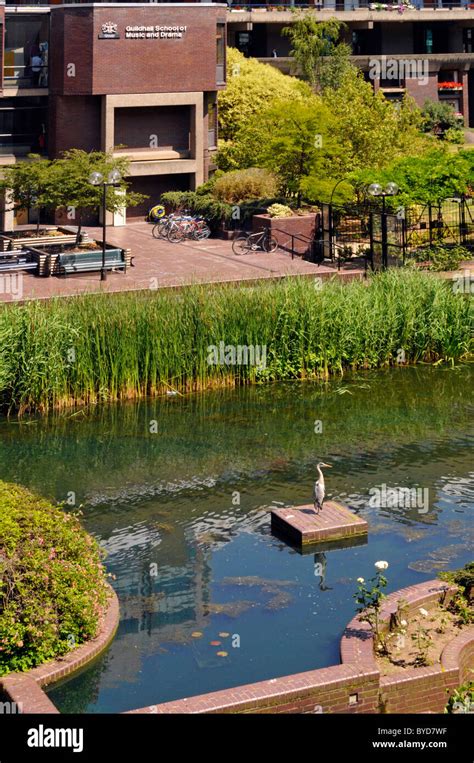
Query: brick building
[136, 79]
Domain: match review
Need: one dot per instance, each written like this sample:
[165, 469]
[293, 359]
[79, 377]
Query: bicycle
[253, 242]
[188, 227]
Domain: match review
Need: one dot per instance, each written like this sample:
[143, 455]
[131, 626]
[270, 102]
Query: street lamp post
[113, 179]
[391, 189]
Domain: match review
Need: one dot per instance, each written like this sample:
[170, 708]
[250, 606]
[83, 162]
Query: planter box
[283, 228]
[8, 242]
[47, 257]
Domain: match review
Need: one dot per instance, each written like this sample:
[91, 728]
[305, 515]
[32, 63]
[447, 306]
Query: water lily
[423, 612]
[381, 565]
[403, 623]
[360, 580]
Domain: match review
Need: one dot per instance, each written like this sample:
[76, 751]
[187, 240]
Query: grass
[84, 350]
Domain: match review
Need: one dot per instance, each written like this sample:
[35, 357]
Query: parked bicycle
[177, 227]
[253, 242]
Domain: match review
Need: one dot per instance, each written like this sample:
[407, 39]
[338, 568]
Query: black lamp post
[113, 179]
[391, 189]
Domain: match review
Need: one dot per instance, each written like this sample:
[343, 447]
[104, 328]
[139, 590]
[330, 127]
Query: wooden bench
[82, 262]
[17, 260]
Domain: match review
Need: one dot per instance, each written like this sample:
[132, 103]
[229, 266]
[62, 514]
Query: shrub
[243, 185]
[214, 211]
[52, 589]
[442, 257]
[438, 118]
[279, 210]
[463, 577]
[454, 135]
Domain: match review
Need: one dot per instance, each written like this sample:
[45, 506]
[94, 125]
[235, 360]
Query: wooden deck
[302, 526]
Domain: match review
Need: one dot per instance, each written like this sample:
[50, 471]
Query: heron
[319, 490]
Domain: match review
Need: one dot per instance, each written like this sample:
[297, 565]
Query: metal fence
[382, 238]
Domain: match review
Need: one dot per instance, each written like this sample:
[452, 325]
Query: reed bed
[83, 350]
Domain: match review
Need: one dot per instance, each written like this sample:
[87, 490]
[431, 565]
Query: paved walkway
[159, 264]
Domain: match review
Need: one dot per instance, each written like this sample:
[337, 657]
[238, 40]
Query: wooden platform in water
[302, 526]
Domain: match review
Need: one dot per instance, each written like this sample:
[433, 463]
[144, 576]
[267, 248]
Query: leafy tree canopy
[373, 130]
[427, 178]
[315, 46]
[251, 86]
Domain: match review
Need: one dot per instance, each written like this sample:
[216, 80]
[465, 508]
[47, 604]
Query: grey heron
[319, 489]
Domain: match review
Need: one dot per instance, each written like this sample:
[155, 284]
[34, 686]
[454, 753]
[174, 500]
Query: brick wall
[74, 122]
[120, 66]
[170, 124]
[355, 686]
[421, 91]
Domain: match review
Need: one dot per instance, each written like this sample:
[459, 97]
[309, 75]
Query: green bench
[81, 262]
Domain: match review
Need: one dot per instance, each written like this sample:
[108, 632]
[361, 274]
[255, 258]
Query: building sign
[158, 32]
[155, 32]
[109, 31]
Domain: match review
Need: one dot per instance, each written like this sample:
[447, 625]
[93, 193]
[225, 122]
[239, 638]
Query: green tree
[294, 144]
[428, 178]
[438, 118]
[372, 130]
[316, 47]
[30, 184]
[251, 87]
[76, 194]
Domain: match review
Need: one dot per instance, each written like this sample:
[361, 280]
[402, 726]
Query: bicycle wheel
[270, 244]
[176, 233]
[240, 245]
[200, 234]
[159, 229]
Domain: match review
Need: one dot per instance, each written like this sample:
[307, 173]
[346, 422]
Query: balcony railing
[355, 5]
[25, 76]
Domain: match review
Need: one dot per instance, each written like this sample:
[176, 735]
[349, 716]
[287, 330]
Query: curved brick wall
[354, 686]
[25, 688]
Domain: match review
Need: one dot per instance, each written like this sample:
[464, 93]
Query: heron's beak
[327, 466]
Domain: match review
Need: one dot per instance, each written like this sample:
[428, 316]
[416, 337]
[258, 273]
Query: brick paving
[302, 525]
[159, 264]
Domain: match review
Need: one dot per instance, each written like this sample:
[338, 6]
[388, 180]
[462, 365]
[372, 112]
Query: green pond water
[178, 493]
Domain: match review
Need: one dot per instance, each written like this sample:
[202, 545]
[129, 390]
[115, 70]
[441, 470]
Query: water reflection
[184, 518]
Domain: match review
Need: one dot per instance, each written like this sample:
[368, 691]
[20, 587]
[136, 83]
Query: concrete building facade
[138, 80]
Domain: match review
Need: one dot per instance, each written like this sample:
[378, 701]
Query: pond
[178, 492]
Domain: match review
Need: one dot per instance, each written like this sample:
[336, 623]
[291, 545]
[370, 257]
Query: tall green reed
[93, 348]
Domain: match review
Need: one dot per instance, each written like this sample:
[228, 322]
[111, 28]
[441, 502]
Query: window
[468, 40]
[220, 53]
[23, 126]
[26, 50]
[211, 124]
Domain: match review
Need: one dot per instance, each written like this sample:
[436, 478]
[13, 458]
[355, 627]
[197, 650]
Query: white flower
[403, 623]
[360, 580]
[381, 565]
[423, 612]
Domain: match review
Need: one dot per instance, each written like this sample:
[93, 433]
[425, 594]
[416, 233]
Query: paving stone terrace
[159, 264]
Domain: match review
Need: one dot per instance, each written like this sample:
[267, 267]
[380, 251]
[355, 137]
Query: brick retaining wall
[356, 685]
[25, 688]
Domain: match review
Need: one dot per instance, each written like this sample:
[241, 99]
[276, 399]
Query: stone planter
[8, 242]
[294, 234]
